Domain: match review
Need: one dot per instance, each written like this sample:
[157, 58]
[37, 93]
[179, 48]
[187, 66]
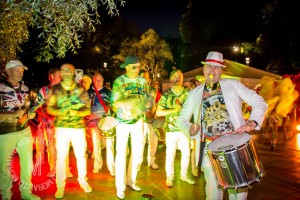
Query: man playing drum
[128, 100]
[217, 110]
[99, 110]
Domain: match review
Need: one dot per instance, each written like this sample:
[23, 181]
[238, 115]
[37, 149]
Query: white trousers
[211, 188]
[174, 140]
[110, 154]
[123, 131]
[96, 138]
[150, 134]
[64, 137]
[21, 141]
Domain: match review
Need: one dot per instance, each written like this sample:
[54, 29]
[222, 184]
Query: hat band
[215, 61]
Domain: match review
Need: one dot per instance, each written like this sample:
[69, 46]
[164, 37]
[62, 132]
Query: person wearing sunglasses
[128, 94]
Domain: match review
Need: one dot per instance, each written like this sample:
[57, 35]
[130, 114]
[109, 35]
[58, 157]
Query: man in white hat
[15, 133]
[217, 109]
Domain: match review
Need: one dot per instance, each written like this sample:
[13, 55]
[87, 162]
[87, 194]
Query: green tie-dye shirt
[126, 89]
[75, 99]
[168, 100]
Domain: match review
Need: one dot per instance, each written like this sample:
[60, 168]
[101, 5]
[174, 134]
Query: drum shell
[107, 126]
[109, 133]
[237, 167]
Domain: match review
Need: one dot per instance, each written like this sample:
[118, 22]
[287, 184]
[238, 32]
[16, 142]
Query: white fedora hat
[214, 58]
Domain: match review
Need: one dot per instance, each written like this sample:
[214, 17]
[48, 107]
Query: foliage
[196, 30]
[279, 43]
[153, 53]
[13, 31]
[61, 24]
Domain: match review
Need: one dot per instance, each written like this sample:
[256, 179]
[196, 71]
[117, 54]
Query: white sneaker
[188, 180]
[112, 173]
[121, 195]
[96, 170]
[169, 182]
[59, 193]
[134, 187]
[86, 187]
[154, 166]
[195, 171]
[51, 174]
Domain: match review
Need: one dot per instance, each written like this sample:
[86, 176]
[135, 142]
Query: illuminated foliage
[60, 24]
[152, 52]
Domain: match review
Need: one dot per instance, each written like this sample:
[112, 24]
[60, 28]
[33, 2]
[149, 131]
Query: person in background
[169, 106]
[45, 135]
[85, 81]
[214, 106]
[191, 84]
[199, 79]
[15, 133]
[149, 132]
[100, 108]
[69, 102]
[128, 100]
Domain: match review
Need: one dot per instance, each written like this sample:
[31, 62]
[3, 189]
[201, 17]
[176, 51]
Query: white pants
[21, 141]
[123, 131]
[65, 136]
[110, 154]
[45, 137]
[211, 188]
[150, 134]
[96, 138]
[174, 140]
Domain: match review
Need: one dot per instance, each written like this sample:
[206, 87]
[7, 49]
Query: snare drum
[107, 125]
[235, 161]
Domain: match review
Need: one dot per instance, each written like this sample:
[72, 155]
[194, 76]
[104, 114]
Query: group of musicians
[204, 114]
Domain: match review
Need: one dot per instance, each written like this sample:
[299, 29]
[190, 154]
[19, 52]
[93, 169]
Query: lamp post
[236, 50]
[247, 60]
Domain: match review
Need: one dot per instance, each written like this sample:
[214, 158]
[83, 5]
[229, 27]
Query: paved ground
[282, 180]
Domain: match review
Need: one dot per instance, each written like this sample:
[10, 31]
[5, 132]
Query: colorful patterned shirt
[168, 100]
[96, 107]
[40, 105]
[215, 117]
[75, 99]
[125, 88]
[11, 100]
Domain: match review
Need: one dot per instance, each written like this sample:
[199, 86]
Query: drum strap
[101, 100]
[202, 146]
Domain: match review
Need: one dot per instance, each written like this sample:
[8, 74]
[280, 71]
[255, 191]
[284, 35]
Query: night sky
[236, 19]
[163, 16]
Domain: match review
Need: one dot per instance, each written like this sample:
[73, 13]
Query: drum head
[229, 141]
[107, 123]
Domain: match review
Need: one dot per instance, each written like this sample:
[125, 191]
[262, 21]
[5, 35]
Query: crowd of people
[82, 112]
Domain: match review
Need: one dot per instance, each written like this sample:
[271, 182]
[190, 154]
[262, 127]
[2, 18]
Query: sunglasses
[133, 67]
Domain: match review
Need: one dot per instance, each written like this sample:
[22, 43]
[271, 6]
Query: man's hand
[249, 126]
[194, 129]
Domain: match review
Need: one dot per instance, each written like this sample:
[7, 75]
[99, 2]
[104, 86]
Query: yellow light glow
[298, 140]
[297, 127]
